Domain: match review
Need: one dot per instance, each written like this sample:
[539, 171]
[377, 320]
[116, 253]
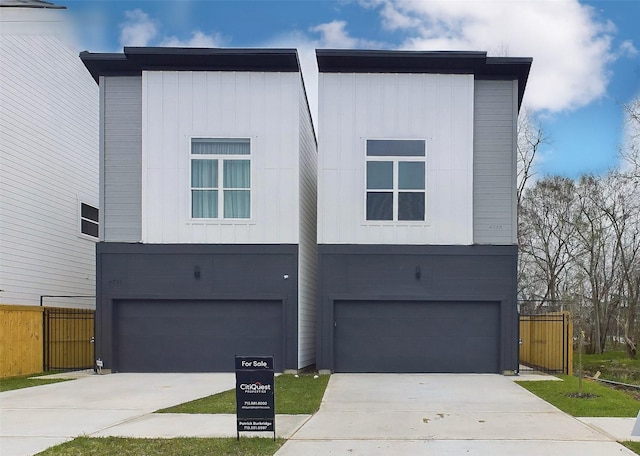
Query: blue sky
[586, 53]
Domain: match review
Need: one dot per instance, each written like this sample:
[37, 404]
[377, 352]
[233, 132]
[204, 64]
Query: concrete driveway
[361, 414]
[433, 414]
[33, 419]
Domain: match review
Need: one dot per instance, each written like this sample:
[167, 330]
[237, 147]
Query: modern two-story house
[208, 223]
[417, 239]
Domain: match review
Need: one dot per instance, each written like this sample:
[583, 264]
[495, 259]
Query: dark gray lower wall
[401, 278]
[187, 307]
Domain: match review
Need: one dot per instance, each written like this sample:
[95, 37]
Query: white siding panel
[356, 107]
[49, 117]
[307, 260]
[261, 106]
[494, 205]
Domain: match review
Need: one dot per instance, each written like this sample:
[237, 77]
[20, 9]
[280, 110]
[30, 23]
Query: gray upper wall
[121, 158]
[494, 162]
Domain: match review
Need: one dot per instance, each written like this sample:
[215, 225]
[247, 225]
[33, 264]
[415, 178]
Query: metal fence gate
[546, 342]
[68, 338]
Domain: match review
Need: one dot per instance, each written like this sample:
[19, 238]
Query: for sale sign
[255, 394]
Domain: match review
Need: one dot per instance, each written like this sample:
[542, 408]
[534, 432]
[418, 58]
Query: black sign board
[255, 394]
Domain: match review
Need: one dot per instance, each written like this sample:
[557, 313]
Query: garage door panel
[416, 336]
[195, 336]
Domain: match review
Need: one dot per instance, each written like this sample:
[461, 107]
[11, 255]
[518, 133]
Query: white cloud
[138, 29]
[570, 47]
[198, 39]
[333, 35]
[627, 49]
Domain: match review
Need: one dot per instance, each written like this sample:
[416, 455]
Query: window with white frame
[89, 220]
[220, 178]
[395, 180]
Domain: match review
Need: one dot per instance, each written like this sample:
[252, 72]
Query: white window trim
[88, 202]
[395, 159]
[221, 220]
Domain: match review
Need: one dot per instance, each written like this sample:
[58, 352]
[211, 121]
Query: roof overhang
[134, 60]
[443, 62]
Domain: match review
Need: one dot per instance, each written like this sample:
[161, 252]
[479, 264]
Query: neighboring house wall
[435, 107]
[48, 161]
[494, 162]
[121, 160]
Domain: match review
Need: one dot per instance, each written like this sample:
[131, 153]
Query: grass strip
[633, 446]
[108, 446]
[294, 395]
[613, 365]
[607, 401]
[27, 381]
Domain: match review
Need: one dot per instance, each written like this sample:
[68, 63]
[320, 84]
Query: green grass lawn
[27, 381]
[613, 365]
[609, 402]
[293, 395]
[633, 446]
[108, 446]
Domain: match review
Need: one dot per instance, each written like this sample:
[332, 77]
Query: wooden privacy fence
[546, 342]
[68, 338]
[35, 339]
[20, 340]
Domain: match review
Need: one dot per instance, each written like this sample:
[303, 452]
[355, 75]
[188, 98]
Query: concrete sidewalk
[361, 414]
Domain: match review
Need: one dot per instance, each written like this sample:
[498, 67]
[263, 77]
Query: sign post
[255, 395]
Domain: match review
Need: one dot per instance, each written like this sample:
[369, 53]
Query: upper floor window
[220, 178]
[89, 220]
[395, 174]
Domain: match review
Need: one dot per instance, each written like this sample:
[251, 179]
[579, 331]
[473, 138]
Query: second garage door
[195, 336]
[416, 336]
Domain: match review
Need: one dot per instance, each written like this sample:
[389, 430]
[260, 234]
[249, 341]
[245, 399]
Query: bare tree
[630, 151]
[598, 257]
[622, 208]
[547, 230]
[531, 137]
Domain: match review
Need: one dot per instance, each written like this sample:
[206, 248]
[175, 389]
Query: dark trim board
[191, 308]
[457, 304]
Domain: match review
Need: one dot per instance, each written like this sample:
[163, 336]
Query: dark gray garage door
[194, 336]
[414, 336]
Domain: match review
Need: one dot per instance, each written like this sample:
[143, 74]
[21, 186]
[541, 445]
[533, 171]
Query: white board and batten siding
[434, 107]
[494, 165]
[178, 106]
[48, 166]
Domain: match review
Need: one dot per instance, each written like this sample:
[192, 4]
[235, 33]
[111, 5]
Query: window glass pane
[237, 204]
[204, 173]
[221, 146]
[396, 147]
[237, 174]
[89, 212]
[379, 206]
[411, 206]
[89, 228]
[204, 203]
[379, 175]
[411, 175]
